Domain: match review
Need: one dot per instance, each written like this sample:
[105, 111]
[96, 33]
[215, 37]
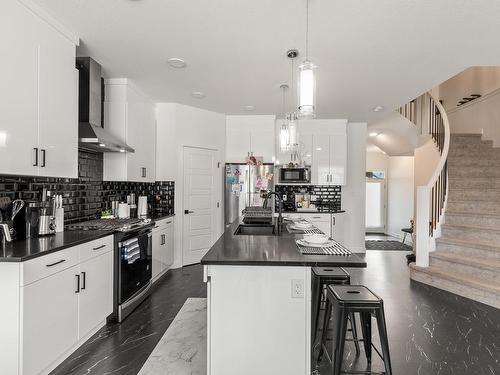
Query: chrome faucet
[280, 208]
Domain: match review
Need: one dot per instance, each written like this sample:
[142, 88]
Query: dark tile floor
[123, 348]
[430, 331]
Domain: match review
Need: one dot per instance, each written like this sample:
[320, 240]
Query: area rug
[183, 348]
[387, 245]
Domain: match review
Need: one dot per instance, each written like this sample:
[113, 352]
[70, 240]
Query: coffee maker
[40, 219]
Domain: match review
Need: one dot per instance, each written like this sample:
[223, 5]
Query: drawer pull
[56, 263]
[98, 247]
[156, 226]
[169, 222]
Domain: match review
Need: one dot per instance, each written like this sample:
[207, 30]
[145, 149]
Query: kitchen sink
[255, 230]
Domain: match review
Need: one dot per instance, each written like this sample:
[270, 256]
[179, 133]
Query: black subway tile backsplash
[84, 197]
[329, 196]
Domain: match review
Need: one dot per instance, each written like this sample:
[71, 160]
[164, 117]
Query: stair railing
[431, 198]
[409, 111]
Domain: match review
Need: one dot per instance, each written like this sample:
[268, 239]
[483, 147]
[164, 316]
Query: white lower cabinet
[63, 298]
[323, 222]
[96, 292]
[49, 320]
[163, 247]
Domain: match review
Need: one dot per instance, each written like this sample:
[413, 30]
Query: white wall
[179, 126]
[353, 194]
[376, 161]
[481, 116]
[400, 194]
[480, 80]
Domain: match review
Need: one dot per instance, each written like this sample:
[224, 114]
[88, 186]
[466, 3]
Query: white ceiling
[396, 136]
[368, 52]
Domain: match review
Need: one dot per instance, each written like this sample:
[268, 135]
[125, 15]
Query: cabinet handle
[42, 151]
[35, 151]
[84, 279]
[169, 222]
[56, 263]
[143, 172]
[77, 284]
[98, 247]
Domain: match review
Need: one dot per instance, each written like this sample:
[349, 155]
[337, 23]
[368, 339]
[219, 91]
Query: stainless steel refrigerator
[246, 186]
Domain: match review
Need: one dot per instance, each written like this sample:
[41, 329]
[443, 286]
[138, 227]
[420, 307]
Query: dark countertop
[159, 216]
[314, 212]
[246, 250]
[21, 251]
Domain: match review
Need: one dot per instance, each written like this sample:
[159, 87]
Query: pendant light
[307, 80]
[284, 133]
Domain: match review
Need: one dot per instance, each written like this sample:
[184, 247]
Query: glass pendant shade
[307, 90]
[292, 132]
[284, 137]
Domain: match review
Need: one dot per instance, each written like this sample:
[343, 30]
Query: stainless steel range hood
[91, 133]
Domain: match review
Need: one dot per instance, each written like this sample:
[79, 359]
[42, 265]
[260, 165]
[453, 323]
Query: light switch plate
[298, 288]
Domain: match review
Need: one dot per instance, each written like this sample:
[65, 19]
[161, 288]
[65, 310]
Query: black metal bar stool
[322, 277]
[345, 300]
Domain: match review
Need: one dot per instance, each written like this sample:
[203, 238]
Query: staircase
[467, 256]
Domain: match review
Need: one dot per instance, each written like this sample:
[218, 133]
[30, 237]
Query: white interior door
[375, 206]
[199, 227]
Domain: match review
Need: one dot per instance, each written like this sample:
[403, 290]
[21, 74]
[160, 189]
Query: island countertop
[261, 250]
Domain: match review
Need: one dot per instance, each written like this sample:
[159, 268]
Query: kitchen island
[259, 303]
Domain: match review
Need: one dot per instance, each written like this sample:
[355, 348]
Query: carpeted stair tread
[459, 278]
[469, 244]
[469, 227]
[486, 263]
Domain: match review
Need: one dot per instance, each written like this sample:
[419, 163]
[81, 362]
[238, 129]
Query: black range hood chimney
[91, 133]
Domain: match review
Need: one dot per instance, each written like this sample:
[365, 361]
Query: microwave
[295, 175]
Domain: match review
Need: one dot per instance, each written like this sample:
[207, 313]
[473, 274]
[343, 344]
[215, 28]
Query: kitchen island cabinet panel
[256, 324]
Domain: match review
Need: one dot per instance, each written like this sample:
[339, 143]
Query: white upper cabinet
[58, 122]
[250, 136]
[329, 156]
[321, 160]
[38, 96]
[130, 116]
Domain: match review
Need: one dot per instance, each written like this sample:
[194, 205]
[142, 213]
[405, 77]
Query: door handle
[35, 150]
[77, 284]
[187, 212]
[98, 247]
[42, 164]
[84, 279]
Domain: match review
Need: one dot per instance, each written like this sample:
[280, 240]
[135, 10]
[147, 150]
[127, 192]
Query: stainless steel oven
[295, 175]
[133, 263]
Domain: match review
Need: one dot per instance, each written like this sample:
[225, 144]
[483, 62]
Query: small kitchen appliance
[301, 175]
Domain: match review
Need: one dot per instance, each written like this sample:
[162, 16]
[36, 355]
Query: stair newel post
[423, 226]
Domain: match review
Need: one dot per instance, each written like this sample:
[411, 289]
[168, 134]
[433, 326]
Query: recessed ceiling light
[377, 108]
[249, 108]
[318, 148]
[373, 134]
[102, 145]
[198, 94]
[174, 62]
[122, 150]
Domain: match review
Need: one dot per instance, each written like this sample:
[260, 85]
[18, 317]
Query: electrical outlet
[298, 288]
[284, 197]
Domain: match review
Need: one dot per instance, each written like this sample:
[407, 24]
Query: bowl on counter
[316, 239]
